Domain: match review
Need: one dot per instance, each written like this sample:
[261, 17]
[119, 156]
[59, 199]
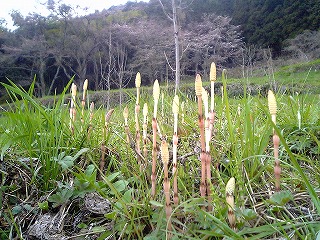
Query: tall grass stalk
[104, 141]
[182, 112]
[156, 94]
[207, 147]
[311, 189]
[166, 181]
[230, 187]
[73, 106]
[38, 134]
[83, 100]
[126, 126]
[136, 117]
[227, 109]
[90, 119]
[145, 128]
[276, 141]
[175, 110]
[213, 78]
[198, 90]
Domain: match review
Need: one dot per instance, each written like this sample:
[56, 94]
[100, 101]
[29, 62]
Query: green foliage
[43, 205]
[281, 198]
[249, 214]
[67, 162]
[61, 197]
[20, 208]
[269, 23]
[65, 167]
[37, 132]
[292, 79]
[122, 17]
[85, 181]
[300, 67]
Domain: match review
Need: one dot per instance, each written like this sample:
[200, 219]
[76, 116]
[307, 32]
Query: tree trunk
[109, 69]
[177, 45]
[42, 67]
[54, 79]
[174, 20]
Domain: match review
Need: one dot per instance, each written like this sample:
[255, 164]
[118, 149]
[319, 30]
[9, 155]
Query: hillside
[111, 45]
[268, 23]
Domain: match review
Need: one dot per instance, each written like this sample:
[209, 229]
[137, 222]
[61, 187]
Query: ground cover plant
[69, 171]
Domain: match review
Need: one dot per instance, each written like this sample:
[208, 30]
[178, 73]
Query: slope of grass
[309, 78]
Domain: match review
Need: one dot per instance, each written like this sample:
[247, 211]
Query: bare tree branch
[164, 11]
[172, 69]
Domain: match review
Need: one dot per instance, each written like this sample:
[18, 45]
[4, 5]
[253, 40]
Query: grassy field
[68, 175]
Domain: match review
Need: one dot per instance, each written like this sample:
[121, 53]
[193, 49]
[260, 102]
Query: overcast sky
[29, 6]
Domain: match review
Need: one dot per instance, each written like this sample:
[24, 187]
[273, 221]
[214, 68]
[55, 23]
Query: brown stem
[203, 174]
[145, 142]
[277, 168]
[102, 160]
[174, 170]
[70, 123]
[208, 171]
[90, 119]
[145, 150]
[130, 141]
[166, 182]
[72, 119]
[230, 187]
[72, 107]
[202, 154]
[154, 157]
[208, 161]
[74, 111]
[232, 218]
[105, 133]
[166, 189]
[144, 128]
[126, 129]
[138, 150]
[212, 115]
[82, 110]
[201, 124]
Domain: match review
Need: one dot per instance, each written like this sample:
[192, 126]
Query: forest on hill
[268, 23]
[111, 45]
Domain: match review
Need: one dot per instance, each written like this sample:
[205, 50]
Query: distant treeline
[110, 46]
[268, 23]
